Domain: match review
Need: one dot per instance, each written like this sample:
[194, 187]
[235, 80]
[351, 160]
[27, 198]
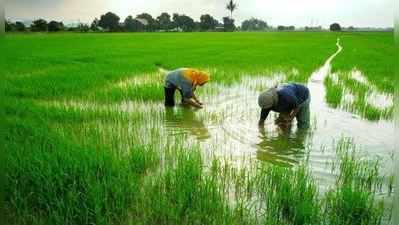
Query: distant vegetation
[254, 25]
[335, 27]
[144, 22]
[110, 22]
[285, 28]
[76, 154]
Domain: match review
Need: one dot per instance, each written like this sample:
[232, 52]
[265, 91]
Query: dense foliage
[254, 25]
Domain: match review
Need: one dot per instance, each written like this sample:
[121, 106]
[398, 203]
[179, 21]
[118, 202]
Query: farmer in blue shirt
[291, 100]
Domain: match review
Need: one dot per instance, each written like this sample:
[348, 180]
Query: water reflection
[227, 127]
[283, 146]
[183, 120]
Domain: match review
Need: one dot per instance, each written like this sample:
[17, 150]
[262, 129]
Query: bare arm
[192, 102]
[196, 99]
[294, 103]
[294, 113]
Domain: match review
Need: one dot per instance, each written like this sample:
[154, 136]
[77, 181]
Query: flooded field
[228, 126]
[116, 151]
[226, 130]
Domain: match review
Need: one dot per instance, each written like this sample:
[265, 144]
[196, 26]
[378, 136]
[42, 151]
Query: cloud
[286, 12]
[65, 10]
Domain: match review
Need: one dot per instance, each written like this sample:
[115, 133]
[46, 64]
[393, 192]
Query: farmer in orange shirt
[185, 80]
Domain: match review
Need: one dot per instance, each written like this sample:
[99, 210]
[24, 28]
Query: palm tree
[231, 6]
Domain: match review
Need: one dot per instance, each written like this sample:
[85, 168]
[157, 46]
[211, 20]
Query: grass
[373, 54]
[353, 201]
[52, 181]
[78, 152]
[63, 65]
[291, 196]
[360, 92]
[75, 184]
[334, 92]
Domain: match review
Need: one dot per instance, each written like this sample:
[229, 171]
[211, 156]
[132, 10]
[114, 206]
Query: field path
[322, 73]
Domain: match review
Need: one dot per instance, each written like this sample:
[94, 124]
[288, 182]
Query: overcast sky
[376, 13]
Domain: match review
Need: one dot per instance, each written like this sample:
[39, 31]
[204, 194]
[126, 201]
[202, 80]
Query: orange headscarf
[196, 76]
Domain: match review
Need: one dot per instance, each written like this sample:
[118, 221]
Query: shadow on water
[284, 147]
[182, 119]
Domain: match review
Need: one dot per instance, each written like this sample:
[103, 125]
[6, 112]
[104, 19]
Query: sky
[359, 13]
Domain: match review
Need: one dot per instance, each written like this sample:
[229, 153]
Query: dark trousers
[170, 96]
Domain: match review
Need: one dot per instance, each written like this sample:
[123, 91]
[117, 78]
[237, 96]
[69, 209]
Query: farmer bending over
[291, 100]
[186, 81]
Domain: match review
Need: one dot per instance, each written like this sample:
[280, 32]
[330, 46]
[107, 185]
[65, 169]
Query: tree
[164, 21]
[94, 25]
[207, 22]
[9, 26]
[282, 28]
[55, 26]
[109, 21]
[175, 20]
[132, 25]
[183, 22]
[231, 6]
[228, 24]
[317, 28]
[150, 24]
[335, 27]
[197, 26]
[19, 26]
[351, 28]
[39, 25]
[187, 23]
[254, 25]
[82, 27]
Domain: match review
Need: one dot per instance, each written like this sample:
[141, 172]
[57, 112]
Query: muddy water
[227, 126]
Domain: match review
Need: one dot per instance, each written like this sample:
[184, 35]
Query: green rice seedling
[290, 196]
[353, 198]
[76, 172]
[53, 181]
[334, 92]
[82, 149]
[184, 194]
[143, 92]
[370, 112]
[376, 62]
[60, 65]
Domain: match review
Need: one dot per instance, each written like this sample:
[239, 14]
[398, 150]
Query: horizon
[311, 13]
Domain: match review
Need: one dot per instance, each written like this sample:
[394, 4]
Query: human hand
[199, 105]
[283, 118]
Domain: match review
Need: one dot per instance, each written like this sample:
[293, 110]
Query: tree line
[144, 22]
[110, 22]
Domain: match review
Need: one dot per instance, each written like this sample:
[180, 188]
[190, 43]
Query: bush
[39, 25]
[55, 26]
[228, 24]
[254, 25]
[19, 26]
[335, 27]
